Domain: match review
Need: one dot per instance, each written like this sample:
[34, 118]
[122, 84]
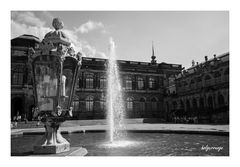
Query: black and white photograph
[119, 83]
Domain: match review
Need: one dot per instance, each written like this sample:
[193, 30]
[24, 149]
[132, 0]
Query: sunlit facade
[150, 89]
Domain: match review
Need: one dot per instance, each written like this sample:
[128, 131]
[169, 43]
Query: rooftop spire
[152, 50]
[153, 61]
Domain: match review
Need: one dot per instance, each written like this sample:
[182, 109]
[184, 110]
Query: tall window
[210, 102]
[129, 104]
[174, 104]
[194, 103]
[75, 105]
[152, 83]
[154, 104]
[192, 84]
[89, 103]
[128, 81]
[207, 80]
[188, 105]
[201, 103]
[181, 105]
[217, 76]
[103, 83]
[140, 83]
[102, 103]
[17, 76]
[142, 105]
[199, 81]
[226, 74]
[185, 83]
[221, 101]
[89, 82]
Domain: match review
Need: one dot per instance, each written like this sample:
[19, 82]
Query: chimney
[206, 58]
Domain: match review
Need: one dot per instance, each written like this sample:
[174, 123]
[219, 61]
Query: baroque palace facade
[202, 92]
[147, 86]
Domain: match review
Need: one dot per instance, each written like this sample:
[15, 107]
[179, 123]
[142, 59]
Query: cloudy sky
[179, 37]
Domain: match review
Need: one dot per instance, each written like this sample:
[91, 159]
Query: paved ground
[131, 125]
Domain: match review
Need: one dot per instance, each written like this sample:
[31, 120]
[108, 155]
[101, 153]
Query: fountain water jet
[114, 98]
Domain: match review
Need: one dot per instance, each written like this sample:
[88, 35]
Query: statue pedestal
[51, 149]
[74, 151]
[52, 142]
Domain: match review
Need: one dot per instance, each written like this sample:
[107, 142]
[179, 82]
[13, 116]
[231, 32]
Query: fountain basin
[136, 144]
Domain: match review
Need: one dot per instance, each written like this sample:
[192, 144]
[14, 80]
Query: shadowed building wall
[201, 91]
[142, 85]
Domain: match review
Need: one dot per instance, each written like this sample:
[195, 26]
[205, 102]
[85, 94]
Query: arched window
[199, 81]
[154, 104]
[207, 80]
[89, 81]
[192, 84]
[179, 84]
[174, 104]
[181, 105]
[76, 105]
[142, 105]
[185, 85]
[207, 77]
[217, 76]
[167, 107]
[210, 102]
[89, 103]
[129, 104]
[194, 103]
[128, 83]
[201, 103]
[103, 83]
[103, 103]
[226, 74]
[188, 105]
[140, 83]
[152, 83]
[17, 75]
[221, 101]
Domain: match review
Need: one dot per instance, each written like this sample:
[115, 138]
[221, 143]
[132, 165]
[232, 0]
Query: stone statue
[57, 24]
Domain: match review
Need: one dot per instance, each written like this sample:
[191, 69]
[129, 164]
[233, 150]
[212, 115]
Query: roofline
[210, 60]
[28, 36]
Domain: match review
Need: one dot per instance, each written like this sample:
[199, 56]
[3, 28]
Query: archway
[16, 107]
[154, 104]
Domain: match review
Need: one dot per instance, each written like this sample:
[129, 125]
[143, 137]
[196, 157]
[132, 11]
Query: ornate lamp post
[55, 69]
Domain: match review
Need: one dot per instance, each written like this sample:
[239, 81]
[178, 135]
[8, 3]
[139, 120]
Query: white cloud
[91, 51]
[28, 18]
[101, 55]
[89, 26]
[18, 29]
[29, 23]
